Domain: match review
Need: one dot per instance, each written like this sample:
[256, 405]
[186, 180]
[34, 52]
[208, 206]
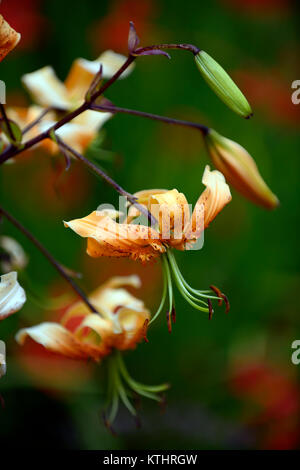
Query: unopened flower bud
[221, 83]
[239, 169]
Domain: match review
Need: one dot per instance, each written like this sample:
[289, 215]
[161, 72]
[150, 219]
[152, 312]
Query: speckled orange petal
[58, 339]
[213, 199]
[113, 239]
[9, 38]
[132, 323]
[172, 211]
[143, 198]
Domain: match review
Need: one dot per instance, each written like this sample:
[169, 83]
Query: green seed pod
[221, 83]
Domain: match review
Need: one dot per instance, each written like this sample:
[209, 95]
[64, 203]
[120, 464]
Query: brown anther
[218, 294]
[116, 309]
[226, 303]
[145, 329]
[108, 425]
[210, 309]
[169, 322]
[173, 314]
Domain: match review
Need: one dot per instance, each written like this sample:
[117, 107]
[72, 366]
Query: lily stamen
[193, 296]
[173, 314]
[218, 293]
[145, 329]
[221, 297]
[121, 386]
[169, 322]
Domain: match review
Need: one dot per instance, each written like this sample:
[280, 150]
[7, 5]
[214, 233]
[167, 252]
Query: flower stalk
[95, 169]
[61, 270]
[179, 122]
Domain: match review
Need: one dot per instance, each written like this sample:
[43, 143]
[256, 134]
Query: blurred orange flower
[9, 38]
[276, 397]
[120, 324]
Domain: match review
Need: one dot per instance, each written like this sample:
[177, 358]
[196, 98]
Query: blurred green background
[233, 382]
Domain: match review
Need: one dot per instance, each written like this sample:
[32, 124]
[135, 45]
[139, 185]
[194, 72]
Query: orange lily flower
[48, 91]
[175, 228]
[120, 323]
[9, 38]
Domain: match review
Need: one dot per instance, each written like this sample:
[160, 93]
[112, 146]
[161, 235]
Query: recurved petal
[122, 333]
[12, 295]
[171, 209]
[9, 38]
[46, 89]
[120, 281]
[109, 300]
[105, 299]
[213, 199]
[143, 198]
[144, 195]
[216, 195]
[58, 339]
[132, 322]
[102, 333]
[109, 238]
